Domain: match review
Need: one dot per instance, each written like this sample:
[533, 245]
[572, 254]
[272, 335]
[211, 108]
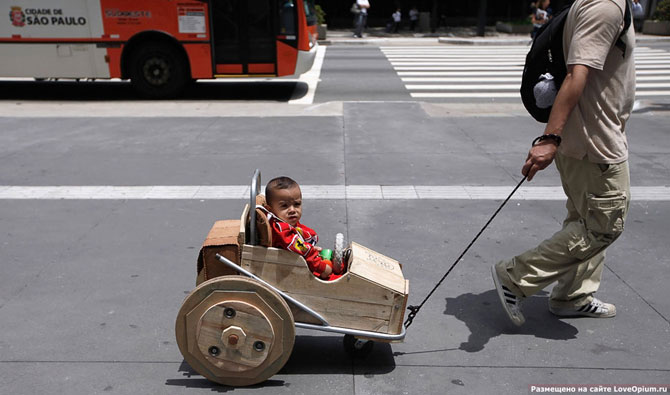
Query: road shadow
[310, 355]
[68, 90]
[485, 318]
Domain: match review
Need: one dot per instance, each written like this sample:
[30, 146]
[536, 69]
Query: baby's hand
[327, 271]
[317, 248]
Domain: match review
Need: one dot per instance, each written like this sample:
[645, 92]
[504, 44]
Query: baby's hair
[276, 184]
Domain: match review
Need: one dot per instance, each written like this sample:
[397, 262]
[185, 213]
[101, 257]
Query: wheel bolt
[232, 340]
[259, 346]
[214, 351]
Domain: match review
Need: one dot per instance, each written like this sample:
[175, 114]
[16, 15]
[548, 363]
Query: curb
[458, 40]
[484, 41]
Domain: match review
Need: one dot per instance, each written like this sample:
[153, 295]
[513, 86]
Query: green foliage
[523, 21]
[662, 11]
[320, 15]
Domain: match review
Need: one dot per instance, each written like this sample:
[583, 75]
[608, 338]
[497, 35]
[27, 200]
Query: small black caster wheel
[357, 348]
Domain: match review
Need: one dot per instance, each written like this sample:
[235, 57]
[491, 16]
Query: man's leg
[359, 25]
[597, 203]
[606, 199]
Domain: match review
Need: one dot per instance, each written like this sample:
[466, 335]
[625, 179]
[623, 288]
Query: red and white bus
[160, 45]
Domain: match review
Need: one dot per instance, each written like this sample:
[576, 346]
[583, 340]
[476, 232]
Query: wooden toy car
[237, 327]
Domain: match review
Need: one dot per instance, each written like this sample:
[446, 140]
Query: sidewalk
[451, 35]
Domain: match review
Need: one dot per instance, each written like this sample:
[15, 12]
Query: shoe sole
[578, 314]
[518, 321]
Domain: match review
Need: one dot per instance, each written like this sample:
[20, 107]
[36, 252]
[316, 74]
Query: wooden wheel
[235, 331]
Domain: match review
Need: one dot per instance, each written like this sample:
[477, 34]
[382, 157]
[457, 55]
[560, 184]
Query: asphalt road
[90, 286]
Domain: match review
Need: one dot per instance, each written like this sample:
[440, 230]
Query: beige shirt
[596, 127]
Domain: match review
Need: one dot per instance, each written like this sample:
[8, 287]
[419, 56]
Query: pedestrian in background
[586, 137]
[364, 7]
[638, 15]
[397, 19]
[413, 18]
[540, 15]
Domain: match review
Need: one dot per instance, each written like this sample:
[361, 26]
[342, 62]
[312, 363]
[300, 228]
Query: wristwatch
[556, 139]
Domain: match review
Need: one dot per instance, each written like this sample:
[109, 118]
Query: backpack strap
[626, 24]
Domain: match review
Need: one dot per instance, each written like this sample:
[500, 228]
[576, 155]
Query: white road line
[466, 95]
[503, 79]
[653, 78]
[456, 73]
[433, 87]
[652, 93]
[489, 94]
[459, 68]
[495, 72]
[456, 63]
[652, 61]
[316, 192]
[490, 49]
[312, 78]
[473, 87]
[463, 79]
[515, 56]
[435, 66]
[660, 74]
[453, 56]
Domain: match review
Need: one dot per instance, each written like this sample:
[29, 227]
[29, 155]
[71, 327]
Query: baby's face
[287, 205]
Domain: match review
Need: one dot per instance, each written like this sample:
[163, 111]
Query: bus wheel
[158, 71]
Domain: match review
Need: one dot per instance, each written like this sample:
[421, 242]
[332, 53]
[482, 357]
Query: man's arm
[541, 155]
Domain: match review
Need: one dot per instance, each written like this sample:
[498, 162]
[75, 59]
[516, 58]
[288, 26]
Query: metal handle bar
[253, 191]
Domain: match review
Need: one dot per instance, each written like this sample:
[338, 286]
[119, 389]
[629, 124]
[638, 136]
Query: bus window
[310, 12]
[287, 18]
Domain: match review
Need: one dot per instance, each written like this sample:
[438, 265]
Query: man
[638, 14]
[586, 137]
[363, 6]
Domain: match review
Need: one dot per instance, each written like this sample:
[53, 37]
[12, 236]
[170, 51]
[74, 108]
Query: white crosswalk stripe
[319, 192]
[495, 71]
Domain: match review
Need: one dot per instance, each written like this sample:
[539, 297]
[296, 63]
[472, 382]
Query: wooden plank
[250, 321]
[398, 314]
[243, 222]
[352, 315]
[351, 301]
[274, 255]
[290, 273]
[377, 268]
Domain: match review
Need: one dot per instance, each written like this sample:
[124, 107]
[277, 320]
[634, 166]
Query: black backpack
[546, 56]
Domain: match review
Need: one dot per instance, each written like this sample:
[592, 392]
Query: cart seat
[263, 228]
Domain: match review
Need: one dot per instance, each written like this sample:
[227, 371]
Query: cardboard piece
[224, 239]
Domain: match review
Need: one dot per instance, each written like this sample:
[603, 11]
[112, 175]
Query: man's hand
[539, 157]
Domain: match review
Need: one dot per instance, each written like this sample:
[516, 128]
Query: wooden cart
[237, 327]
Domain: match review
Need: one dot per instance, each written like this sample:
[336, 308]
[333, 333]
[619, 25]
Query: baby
[284, 203]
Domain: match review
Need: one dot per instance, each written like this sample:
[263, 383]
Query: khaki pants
[598, 199]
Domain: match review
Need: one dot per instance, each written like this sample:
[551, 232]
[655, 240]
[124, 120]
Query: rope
[414, 310]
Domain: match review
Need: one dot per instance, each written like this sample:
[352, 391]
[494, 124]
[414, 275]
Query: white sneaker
[510, 302]
[596, 308]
